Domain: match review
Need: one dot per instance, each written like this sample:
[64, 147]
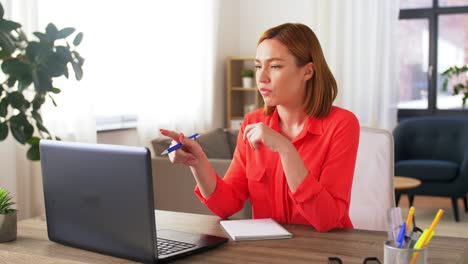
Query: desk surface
[307, 245]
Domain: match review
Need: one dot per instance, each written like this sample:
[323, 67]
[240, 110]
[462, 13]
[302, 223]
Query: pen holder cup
[395, 255]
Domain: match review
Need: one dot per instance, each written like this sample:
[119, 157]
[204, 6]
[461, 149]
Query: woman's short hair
[321, 89]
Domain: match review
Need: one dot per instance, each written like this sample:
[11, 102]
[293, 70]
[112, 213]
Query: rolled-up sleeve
[231, 192]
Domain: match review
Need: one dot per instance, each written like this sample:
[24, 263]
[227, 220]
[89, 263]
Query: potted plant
[7, 217]
[461, 87]
[247, 78]
[29, 68]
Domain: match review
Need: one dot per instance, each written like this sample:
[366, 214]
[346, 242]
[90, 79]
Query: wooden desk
[307, 245]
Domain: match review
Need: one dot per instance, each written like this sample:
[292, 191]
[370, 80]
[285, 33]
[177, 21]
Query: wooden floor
[427, 207]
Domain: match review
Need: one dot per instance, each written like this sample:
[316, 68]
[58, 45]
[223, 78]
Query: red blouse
[328, 147]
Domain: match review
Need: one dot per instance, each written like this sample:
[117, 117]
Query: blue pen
[178, 145]
[401, 236]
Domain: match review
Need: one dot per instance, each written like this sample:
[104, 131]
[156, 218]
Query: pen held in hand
[178, 145]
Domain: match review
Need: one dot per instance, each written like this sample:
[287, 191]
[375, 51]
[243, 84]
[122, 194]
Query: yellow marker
[409, 219]
[436, 220]
[427, 238]
[419, 243]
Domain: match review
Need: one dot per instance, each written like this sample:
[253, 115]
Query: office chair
[372, 191]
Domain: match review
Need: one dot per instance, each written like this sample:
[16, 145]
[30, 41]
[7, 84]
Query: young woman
[294, 158]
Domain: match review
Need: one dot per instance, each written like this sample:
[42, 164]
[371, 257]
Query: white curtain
[360, 42]
[180, 89]
[73, 119]
[153, 58]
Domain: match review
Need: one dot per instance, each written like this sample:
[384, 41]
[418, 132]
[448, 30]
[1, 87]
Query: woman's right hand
[190, 154]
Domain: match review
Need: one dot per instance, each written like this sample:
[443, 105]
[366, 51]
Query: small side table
[404, 183]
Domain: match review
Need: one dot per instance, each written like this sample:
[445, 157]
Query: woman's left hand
[259, 133]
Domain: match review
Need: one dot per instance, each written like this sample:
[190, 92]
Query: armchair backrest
[372, 191]
[436, 138]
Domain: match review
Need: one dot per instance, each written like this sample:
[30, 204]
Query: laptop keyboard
[166, 246]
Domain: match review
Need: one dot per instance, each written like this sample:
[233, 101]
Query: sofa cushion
[215, 144]
[427, 170]
[232, 139]
[160, 145]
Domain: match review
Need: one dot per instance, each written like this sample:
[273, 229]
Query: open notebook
[254, 229]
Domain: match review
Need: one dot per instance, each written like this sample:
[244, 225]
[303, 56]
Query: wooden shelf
[241, 58]
[239, 100]
[243, 89]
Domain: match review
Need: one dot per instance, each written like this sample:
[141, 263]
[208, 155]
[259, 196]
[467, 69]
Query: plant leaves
[33, 153]
[33, 141]
[3, 131]
[2, 11]
[78, 39]
[38, 52]
[24, 83]
[42, 37]
[21, 35]
[36, 116]
[37, 102]
[66, 72]
[28, 130]
[64, 53]
[4, 107]
[51, 32]
[444, 85]
[32, 50]
[42, 81]
[78, 70]
[7, 43]
[56, 90]
[18, 133]
[55, 65]
[20, 128]
[7, 25]
[16, 100]
[16, 68]
[53, 101]
[4, 54]
[78, 57]
[11, 81]
[65, 32]
[41, 127]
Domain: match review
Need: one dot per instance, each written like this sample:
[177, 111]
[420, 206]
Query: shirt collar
[312, 125]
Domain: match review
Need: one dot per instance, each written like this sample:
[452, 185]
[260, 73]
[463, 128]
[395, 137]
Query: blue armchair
[435, 151]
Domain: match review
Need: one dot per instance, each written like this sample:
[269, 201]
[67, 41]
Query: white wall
[260, 15]
[228, 43]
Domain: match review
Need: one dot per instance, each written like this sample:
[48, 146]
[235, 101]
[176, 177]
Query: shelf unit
[238, 97]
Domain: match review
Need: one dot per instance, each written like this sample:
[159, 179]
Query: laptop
[100, 198]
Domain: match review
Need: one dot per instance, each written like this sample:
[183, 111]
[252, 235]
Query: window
[433, 37]
[140, 55]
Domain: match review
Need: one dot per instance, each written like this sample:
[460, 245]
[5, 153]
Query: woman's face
[279, 79]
